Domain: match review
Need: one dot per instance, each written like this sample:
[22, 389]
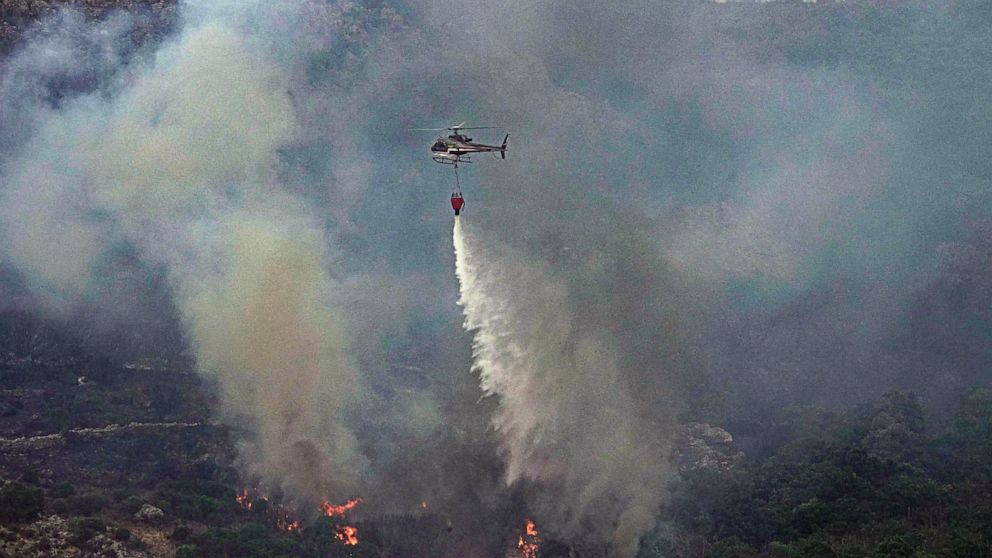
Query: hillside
[154, 18]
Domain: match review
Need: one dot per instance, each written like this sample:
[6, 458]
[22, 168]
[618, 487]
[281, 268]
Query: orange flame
[284, 515]
[243, 500]
[348, 534]
[247, 499]
[345, 533]
[330, 510]
[423, 504]
[528, 542]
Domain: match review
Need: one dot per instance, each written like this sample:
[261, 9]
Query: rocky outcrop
[53, 537]
[29, 443]
[150, 514]
[704, 446]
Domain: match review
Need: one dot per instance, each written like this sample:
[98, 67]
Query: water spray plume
[563, 395]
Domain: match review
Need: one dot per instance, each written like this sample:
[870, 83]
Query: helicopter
[458, 147]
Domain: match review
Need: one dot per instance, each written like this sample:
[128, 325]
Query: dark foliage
[88, 504]
[196, 500]
[61, 490]
[869, 483]
[20, 503]
[85, 528]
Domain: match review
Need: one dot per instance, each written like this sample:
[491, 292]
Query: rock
[45, 537]
[150, 513]
[704, 446]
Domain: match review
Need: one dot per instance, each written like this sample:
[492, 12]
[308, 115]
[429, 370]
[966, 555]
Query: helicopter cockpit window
[438, 146]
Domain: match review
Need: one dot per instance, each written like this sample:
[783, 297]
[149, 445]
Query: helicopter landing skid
[446, 161]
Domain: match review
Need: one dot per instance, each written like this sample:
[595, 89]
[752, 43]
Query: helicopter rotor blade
[453, 128]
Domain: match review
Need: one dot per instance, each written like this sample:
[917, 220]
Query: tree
[20, 503]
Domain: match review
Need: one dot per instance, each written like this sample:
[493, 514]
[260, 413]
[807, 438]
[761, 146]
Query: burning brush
[285, 517]
[344, 533]
[252, 501]
[528, 542]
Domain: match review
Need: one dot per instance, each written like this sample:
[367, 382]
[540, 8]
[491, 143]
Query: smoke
[180, 165]
[708, 211]
[565, 417]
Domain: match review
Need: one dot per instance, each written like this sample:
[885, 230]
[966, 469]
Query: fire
[283, 516]
[331, 510]
[528, 541]
[348, 534]
[243, 500]
[345, 533]
[247, 499]
[423, 504]
[285, 520]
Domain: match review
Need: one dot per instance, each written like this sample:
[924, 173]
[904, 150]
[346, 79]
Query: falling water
[564, 415]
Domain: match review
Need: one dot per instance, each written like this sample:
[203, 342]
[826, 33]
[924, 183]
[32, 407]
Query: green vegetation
[85, 528]
[196, 500]
[869, 483]
[20, 503]
[255, 540]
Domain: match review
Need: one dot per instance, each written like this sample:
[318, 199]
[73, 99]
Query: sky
[708, 211]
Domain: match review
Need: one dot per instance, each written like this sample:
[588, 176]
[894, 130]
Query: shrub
[20, 503]
[181, 533]
[30, 476]
[60, 506]
[85, 528]
[122, 534]
[130, 505]
[88, 504]
[61, 490]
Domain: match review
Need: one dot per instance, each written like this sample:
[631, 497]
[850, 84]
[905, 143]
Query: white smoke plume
[180, 164]
[566, 419]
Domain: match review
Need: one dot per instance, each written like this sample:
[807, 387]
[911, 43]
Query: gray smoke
[180, 164]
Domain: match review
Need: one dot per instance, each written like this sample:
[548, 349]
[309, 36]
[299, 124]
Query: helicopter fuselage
[456, 147]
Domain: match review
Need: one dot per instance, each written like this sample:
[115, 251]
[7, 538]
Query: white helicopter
[457, 147]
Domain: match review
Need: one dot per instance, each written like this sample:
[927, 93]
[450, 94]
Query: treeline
[873, 482]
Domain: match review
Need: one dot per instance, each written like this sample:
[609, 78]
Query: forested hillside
[873, 482]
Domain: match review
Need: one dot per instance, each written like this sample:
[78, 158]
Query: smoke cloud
[181, 165]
